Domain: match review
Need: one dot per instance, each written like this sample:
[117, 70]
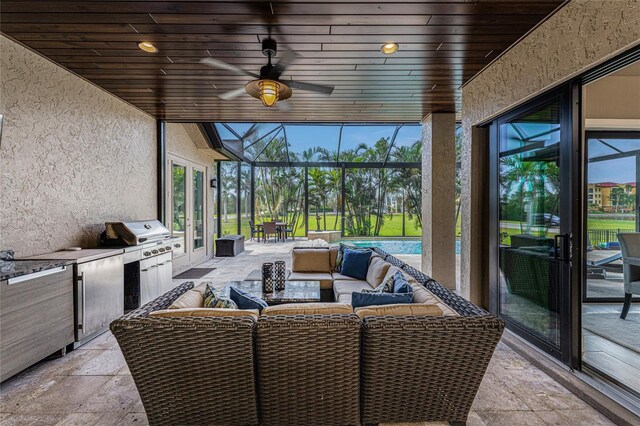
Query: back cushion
[377, 271]
[308, 309]
[190, 299]
[424, 296]
[333, 256]
[310, 260]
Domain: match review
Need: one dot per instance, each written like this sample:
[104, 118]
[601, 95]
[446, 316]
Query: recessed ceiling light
[147, 47]
[389, 48]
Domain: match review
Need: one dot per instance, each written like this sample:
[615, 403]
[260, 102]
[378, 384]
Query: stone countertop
[18, 268]
[79, 256]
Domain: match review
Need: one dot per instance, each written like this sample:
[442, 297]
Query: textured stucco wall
[72, 156]
[439, 198]
[579, 36]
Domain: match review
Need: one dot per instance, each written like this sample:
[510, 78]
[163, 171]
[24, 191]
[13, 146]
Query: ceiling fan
[267, 86]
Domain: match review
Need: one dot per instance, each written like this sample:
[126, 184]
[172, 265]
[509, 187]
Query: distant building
[599, 194]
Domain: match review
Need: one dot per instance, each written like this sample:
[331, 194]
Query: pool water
[395, 246]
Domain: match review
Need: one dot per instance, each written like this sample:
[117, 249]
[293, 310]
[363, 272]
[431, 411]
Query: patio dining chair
[255, 231]
[270, 228]
[288, 230]
[630, 246]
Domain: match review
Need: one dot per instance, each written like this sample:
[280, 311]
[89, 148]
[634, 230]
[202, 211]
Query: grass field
[392, 226]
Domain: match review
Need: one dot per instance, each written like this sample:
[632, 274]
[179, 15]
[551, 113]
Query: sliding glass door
[531, 214]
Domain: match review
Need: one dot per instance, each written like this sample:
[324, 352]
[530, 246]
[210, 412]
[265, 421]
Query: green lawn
[392, 225]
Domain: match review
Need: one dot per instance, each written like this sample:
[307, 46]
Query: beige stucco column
[438, 198]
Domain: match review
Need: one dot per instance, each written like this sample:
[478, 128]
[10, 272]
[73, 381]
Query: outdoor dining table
[280, 227]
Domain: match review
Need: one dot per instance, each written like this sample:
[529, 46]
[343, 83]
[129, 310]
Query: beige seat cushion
[189, 299]
[205, 312]
[423, 296]
[348, 287]
[403, 309]
[344, 298]
[202, 287]
[377, 271]
[310, 260]
[325, 278]
[338, 276]
[308, 309]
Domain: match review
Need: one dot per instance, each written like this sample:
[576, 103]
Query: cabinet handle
[149, 268]
[82, 280]
[35, 275]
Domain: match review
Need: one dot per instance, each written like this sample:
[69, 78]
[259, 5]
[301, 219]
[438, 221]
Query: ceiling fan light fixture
[389, 48]
[148, 47]
[269, 91]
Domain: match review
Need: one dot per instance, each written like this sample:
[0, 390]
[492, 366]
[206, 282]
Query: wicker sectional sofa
[336, 369]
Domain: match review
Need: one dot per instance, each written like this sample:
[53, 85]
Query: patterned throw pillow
[385, 287]
[400, 284]
[214, 299]
[339, 258]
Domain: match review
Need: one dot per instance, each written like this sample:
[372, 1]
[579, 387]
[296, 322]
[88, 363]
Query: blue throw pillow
[400, 284]
[369, 299]
[246, 300]
[355, 263]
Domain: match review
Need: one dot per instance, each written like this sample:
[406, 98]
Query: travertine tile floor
[92, 385]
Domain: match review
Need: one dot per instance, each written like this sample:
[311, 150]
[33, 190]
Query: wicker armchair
[434, 364]
[309, 369]
[190, 370]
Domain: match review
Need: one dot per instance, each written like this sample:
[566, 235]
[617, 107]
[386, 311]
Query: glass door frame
[569, 150]
[191, 255]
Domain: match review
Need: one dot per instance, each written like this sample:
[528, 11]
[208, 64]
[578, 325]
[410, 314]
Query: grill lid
[138, 232]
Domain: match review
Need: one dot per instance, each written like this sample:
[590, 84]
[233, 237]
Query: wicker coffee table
[294, 291]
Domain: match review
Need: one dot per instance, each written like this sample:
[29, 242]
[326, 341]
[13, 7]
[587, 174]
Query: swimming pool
[395, 246]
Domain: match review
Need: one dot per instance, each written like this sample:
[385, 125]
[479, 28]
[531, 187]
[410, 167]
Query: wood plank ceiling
[442, 45]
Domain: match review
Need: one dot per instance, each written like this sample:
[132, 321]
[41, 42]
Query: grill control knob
[168, 248]
[154, 251]
[177, 245]
[161, 249]
[147, 253]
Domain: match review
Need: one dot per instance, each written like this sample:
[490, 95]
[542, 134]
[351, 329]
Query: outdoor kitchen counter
[79, 256]
[17, 268]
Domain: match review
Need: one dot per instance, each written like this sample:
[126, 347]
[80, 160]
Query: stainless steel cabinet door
[165, 281]
[148, 280]
[100, 294]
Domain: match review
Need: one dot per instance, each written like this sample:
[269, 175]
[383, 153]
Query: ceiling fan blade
[232, 94]
[327, 90]
[253, 130]
[284, 106]
[287, 58]
[217, 63]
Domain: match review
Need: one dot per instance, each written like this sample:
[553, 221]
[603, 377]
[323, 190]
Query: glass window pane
[198, 208]
[365, 143]
[275, 150]
[245, 200]
[279, 196]
[259, 136]
[224, 133]
[407, 146]
[611, 206]
[529, 218]
[229, 197]
[312, 142]
[325, 206]
[178, 192]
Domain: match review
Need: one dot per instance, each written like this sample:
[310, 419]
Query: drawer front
[36, 320]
